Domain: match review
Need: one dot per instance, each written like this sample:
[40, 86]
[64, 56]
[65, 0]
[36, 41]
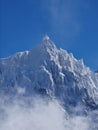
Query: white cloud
[38, 114]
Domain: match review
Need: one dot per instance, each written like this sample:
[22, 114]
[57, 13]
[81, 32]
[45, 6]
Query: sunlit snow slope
[46, 70]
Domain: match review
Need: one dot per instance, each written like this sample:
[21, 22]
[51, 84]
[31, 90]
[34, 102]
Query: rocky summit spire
[46, 38]
[48, 43]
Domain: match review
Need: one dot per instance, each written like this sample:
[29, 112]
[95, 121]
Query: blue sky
[71, 24]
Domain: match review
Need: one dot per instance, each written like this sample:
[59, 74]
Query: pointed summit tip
[46, 38]
[47, 42]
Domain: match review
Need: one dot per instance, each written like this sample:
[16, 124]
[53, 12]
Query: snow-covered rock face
[49, 71]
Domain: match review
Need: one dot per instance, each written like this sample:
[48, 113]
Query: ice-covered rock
[51, 71]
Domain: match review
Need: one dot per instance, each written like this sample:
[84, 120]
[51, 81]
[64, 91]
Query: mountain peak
[48, 43]
[46, 38]
[47, 69]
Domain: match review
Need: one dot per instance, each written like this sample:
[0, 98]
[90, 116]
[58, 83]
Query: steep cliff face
[47, 70]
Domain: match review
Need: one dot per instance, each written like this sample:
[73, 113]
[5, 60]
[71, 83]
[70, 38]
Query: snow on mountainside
[47, 70]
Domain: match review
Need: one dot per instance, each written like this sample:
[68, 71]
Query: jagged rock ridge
[47, 70]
